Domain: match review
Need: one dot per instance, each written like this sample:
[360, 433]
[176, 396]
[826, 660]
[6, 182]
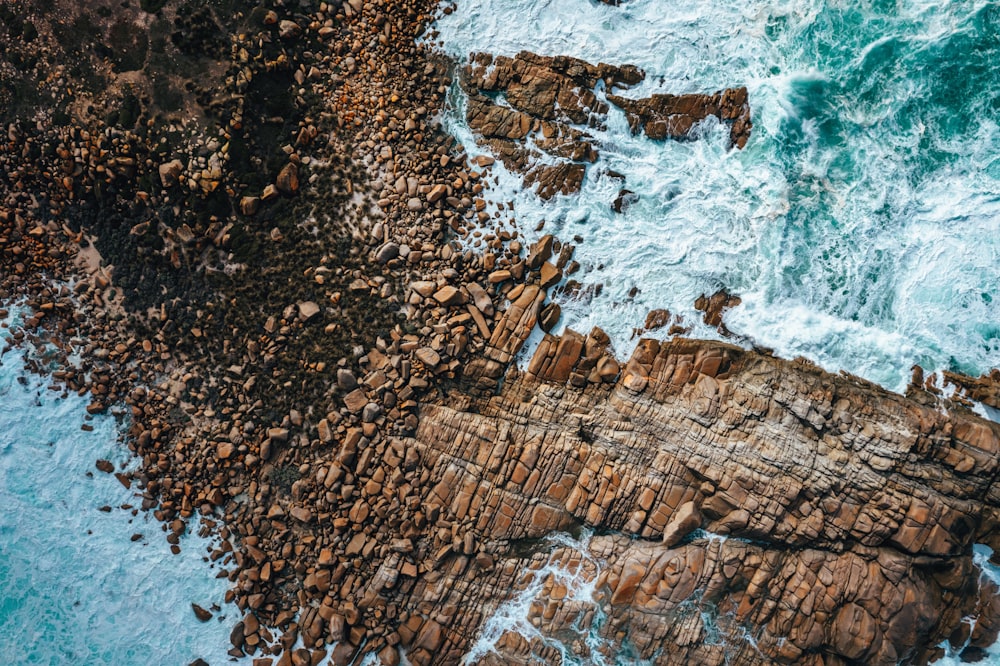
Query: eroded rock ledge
[534, 111]
[849, 513]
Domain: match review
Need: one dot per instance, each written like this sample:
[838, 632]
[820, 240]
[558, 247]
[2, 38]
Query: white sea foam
[859, 229]
[74, 588]
[981, 555]
[580, 582]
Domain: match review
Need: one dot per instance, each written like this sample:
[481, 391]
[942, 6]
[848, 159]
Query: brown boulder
[287, 181]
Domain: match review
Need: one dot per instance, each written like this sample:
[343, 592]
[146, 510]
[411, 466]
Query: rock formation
[845, 514]
[674, 116]
[533, 112]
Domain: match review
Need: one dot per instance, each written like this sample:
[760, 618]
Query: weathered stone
[289, 29]
[448, 295]
[437, 193]
[550, 275]
[308, 310]
[428, 357]
[549, 316]
[481, 299]
[657, 319]
[170, 172]
[685, 520]
[278, 435]
[200, 613]
[387, 252]
[224, 450]
[346, 380]
[288, 179]
[371, 412]
[356, 400]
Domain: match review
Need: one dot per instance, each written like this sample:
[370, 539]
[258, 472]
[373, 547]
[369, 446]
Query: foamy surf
[579, 579]
[860, 224]
[74, 586]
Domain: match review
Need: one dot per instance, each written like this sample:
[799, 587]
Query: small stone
[685, 520]
[278, 435]
[170, 172]
[657, 319]
[424, 287]
[550, 275]
[288, 179]
[448, 295]
[414, 204]
[224, 450]
[301, 514]
[371, 412]
[502, 275]
[608, 369]
[428, 357]
[346, 380]
[289, 29]
[105, 466]
[356, 400]
[249, 205]
[308, 310]
[625, 199]
[200, 613]
[389, 656]
[387, 252]
[436, 193]
[540, 251]
[549, 316]
[481, 298]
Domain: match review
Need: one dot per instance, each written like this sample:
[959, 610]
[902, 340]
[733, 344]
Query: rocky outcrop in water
[533, 112]
[545, 98]
[675, 116]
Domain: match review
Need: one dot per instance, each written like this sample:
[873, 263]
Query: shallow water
[74, 587]
[860, 225]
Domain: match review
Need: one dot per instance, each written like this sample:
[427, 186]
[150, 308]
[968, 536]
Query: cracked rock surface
[746, 510]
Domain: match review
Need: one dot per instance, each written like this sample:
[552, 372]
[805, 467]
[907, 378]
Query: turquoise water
[861, 224]
[74, 587]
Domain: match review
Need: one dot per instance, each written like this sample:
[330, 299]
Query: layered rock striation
[746, 510]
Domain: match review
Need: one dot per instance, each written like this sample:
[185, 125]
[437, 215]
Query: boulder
[287, 181]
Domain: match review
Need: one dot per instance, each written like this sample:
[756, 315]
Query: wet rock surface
[531, 108]
[544, 98]
[675, 116]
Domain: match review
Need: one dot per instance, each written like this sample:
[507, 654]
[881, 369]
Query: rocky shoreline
[261, 251]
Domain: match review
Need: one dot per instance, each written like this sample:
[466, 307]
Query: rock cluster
[546, 97]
